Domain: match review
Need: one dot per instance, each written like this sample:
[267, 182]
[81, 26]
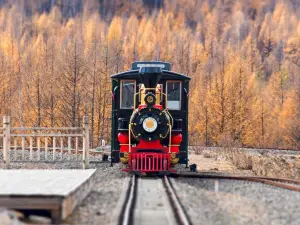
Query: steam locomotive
[150, 118]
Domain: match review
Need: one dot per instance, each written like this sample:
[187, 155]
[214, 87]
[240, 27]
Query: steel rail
[246, 148]
[276, 184]
[274, 181]
[178, 209]
[126, 216]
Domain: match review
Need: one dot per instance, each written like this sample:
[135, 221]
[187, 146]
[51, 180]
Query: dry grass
[197, 150]
[240, 159]
[264, 165]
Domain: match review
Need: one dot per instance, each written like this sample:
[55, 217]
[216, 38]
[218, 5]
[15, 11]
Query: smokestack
[150, 76]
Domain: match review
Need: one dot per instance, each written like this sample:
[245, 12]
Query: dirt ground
[207, 163]
[247, 162]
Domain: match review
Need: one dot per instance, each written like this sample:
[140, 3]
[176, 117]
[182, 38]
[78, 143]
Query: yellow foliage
[55, 66]
[115, 30]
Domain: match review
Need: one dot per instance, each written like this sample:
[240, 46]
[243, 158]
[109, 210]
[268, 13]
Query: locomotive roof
[166, 75]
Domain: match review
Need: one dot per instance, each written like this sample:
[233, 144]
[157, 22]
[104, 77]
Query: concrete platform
[55, 191]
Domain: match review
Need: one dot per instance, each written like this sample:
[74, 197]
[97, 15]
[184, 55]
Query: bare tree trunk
[52, 97]
[104, 94]
[222, 98]
[38, 93]
[206, 126]
[20, 90]
[74, 86]
[99, 114]
[93, 92]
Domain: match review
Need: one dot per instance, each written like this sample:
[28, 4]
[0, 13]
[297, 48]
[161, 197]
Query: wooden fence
[46, 140]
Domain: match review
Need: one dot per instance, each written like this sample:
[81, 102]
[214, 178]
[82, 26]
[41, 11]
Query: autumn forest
[56, 58]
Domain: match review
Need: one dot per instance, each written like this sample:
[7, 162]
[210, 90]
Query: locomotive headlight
[149, 124]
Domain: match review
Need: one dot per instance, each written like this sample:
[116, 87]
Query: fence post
[6, 141]
[86, 142]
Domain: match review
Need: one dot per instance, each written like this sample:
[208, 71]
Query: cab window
[174, 95]
[127, 94]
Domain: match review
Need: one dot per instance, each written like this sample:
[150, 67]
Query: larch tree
[56, 59]
[71, 77]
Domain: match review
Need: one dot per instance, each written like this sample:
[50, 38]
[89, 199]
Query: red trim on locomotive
[148, 161]
[123, 138]
[155, 106]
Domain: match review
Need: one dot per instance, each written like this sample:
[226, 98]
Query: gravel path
[103, 200]
[65, 156]
[68, 162]
[237, 202]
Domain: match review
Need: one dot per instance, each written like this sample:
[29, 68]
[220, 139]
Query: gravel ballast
[103, 200]
[68, 161]
[237, 202]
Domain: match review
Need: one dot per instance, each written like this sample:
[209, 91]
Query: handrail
[34, 135]
[170, 119]
[46, 128]
[46, 135]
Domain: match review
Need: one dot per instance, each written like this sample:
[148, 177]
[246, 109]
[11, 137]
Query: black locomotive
[150, 117]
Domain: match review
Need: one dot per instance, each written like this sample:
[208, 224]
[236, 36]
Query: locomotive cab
[149, 117]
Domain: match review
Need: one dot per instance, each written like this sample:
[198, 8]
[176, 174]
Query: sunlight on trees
[243, 57]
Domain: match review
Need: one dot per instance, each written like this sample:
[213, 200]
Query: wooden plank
[30, 144]
[91, 151]
[61, 148]
[76, 147]
[46, 128]
[23, 148]
[30, 202]
[39, 148]
[47, 135]
[46, 148]
[54, 147]
[6, 140]
[69, 148]
[65, 150]
[86, 142]
[15, 149]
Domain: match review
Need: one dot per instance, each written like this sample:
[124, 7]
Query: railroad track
[290, 184]
[152, 201]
